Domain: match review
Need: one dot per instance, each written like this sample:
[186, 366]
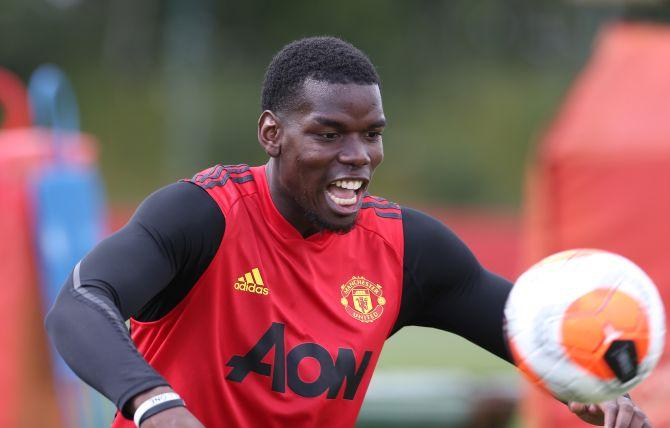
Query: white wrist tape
[153, 402]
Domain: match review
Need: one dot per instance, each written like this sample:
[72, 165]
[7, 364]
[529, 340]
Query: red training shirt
[280, 330]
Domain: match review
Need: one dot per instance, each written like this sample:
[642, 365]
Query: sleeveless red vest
[280, 330]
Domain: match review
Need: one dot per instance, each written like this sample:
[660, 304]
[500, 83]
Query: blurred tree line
[173, 86]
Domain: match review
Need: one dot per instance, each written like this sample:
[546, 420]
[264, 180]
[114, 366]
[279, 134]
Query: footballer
[261, 296]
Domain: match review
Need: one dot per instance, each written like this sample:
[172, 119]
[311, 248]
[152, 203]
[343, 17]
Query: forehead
[347, 101]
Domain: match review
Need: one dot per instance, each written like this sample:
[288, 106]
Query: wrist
[140, 398]
[156, 404]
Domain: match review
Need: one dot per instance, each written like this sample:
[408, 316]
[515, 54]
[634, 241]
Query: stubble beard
[322, 225]
[319, 223]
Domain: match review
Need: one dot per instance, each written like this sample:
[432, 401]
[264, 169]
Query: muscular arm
[445, 287]
[142, 271]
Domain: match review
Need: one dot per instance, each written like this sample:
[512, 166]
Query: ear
[269, 133]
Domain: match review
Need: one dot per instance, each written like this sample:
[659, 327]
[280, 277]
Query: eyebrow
[379, 124]
[329, 122]
[339, 125]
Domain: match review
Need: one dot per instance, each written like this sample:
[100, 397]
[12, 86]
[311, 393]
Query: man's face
[329, 148]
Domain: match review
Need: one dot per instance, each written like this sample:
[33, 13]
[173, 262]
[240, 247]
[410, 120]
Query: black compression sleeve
[89, 333]
[143, 270]
[153, 262]
[445, 286]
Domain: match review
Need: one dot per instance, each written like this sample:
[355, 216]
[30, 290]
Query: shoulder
[226, 184]
[219, 175]
[430, 246]
[419, 223]
[178, 209]
[424, 230]
[381, 207]
[382, 218]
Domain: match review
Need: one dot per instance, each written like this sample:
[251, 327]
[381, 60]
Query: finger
[646, 423]
[625, 414]
[594, 409]
[638, 420]
[610, 410]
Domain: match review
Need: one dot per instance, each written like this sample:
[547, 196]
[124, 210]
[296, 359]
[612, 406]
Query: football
[585, 325]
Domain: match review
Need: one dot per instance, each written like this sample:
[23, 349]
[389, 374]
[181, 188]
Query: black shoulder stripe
[216, 183]
[243, 179]
[387, 214]
[236, 169]
[225, 179]
[213, 173]
[380, 205]
[220, 174]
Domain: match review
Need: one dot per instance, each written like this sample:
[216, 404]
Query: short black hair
[325, 59]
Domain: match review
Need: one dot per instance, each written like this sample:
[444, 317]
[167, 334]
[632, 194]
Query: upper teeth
[349, 184]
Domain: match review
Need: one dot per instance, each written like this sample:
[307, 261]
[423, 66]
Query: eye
[329, 136]
[373, 135]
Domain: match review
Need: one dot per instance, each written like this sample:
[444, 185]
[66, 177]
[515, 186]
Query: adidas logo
[252, 282]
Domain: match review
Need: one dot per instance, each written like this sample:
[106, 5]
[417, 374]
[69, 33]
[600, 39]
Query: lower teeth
[342, 201]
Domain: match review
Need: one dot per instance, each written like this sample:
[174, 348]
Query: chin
[321, 223]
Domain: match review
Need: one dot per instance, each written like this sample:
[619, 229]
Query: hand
[176, 417]
[619, 413]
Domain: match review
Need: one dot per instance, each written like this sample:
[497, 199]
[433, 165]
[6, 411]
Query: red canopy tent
[601, 179]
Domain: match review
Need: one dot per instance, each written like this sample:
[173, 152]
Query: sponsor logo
[362, 299]
[251, 282]
[284, 368]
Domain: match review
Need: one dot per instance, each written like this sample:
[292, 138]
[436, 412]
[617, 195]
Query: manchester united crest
[362, 299]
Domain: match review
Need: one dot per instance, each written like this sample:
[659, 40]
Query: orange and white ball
[586, 325]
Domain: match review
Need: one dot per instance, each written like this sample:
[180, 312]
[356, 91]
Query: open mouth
[345, 193]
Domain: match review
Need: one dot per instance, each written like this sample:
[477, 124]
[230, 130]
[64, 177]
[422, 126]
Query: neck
[285, 203]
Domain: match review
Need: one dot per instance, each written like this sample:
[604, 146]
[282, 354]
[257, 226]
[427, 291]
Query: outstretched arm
[445, 287]
[142, 271]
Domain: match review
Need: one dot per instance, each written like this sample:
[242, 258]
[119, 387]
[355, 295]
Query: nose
[355, 151]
